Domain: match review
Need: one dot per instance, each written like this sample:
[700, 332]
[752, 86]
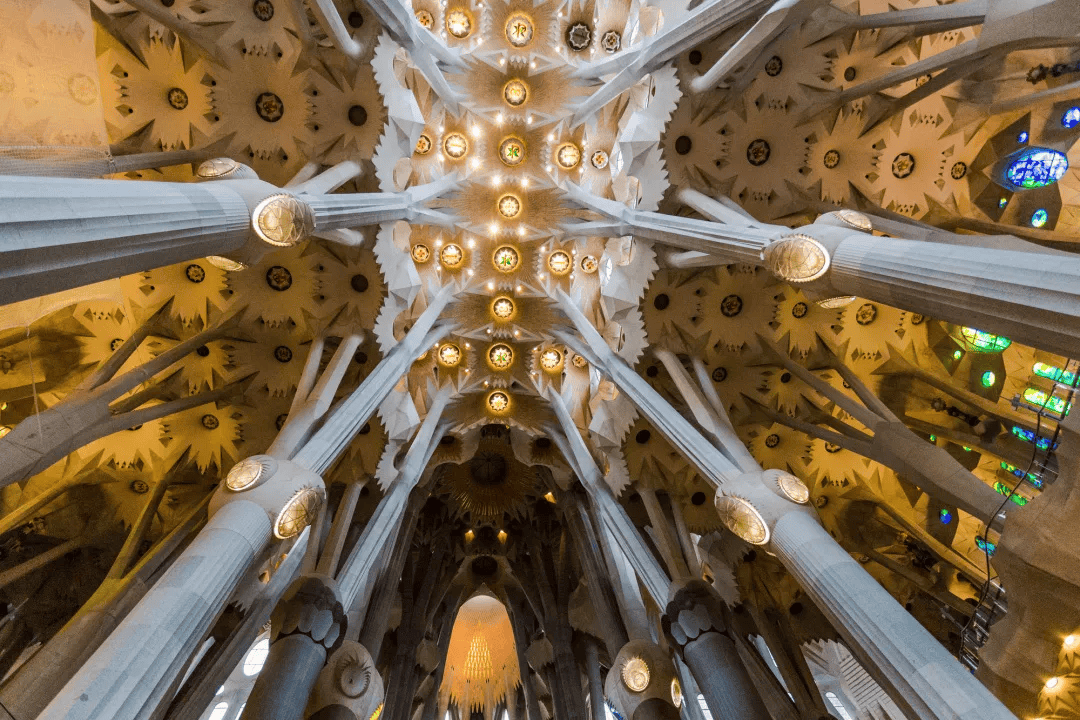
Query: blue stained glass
[1028, 436]
[1039, 218]
[945, 515]
[1022, 137]
[1003, 202]
[1071, 118]
[987, 547]
[1037, 167]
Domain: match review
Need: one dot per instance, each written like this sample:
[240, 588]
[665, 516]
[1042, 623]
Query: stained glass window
[256, 658]
[1031, 477]
[989, 378]
[1022, 137]
[1004, 489]
[987, 547]
[945, 515]
[1071, 118]
[1039, 218]
[1027, 436]
[1037, 167]
[979, 341]
[1053, 373]
[1041, 398]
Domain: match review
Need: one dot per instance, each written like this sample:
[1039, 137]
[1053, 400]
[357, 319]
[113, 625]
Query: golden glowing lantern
[449, 355]
[503, 308]
[519, 30]
[635, 674]
[551, 360]
[509, 206]
[793, 488]
[506, 259]
[559, 262]
[455, 146]
[298, 513]
[599, 159]
[589, 264]
[498, 402]
[458, 23]
[568, 156]
[424, 18]
[512, 151]
[244, 474]
[423, 145]
[421, 253]
[515, 93]
[676, 693]
[451, 256]
[501, 356]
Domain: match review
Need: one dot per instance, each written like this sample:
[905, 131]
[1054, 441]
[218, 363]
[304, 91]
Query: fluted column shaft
[59, 233]
[349, 210]
[132, 671]
[924, 676]
[1030, 297]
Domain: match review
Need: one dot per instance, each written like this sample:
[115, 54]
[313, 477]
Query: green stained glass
[1004, 489]
[1053, 373]
[979, 341]
[1038, 397]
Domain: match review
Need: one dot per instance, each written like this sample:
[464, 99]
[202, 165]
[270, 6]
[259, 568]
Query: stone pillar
[922, 676]
[694, 622]
[596, 683]
[130, 673]
[58, 233]
[308, 625]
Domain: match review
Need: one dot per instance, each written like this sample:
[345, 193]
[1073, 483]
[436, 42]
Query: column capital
[312, 608]
[350, 680]
[693, 609]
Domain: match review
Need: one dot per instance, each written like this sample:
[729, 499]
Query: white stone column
[902, 655]
[59, 233]
[132, 670]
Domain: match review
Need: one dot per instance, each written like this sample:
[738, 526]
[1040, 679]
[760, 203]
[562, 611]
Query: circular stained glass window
[568, 156]
[451, 256]
[515, 93]
[458, 23]
[509, 206]
[512, 151]
[1071, 118]
[1036, 167]
[519, 30]
[449, 355]
[1039, 218]
[501, 356]
[503, 308]
[559, 262]
[506, 259]
[455, 146]
[421, 253]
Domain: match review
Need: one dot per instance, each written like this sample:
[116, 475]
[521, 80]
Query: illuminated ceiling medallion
[512, 151]
[855, 219]
[519, 30]
[635, 674]
[498, 402]
[451, 256]
[611, 41]
[224, 263]
[458, 23]
[676, 693]
[424, 18]
[298, 513]
[599, 159]
[509, 206]
[589, 264]
[455, 145]
[515, 93]
[559, 262]
[796, 258]
[742, 519]
[551, 360]
[423, 145]
[283, 220]
[506, 259]
[580, 361]
[421, 253]
[836, 302]
[793, 488]
[568, 156]
[501, 356]
[503, 308]
[449, 355]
